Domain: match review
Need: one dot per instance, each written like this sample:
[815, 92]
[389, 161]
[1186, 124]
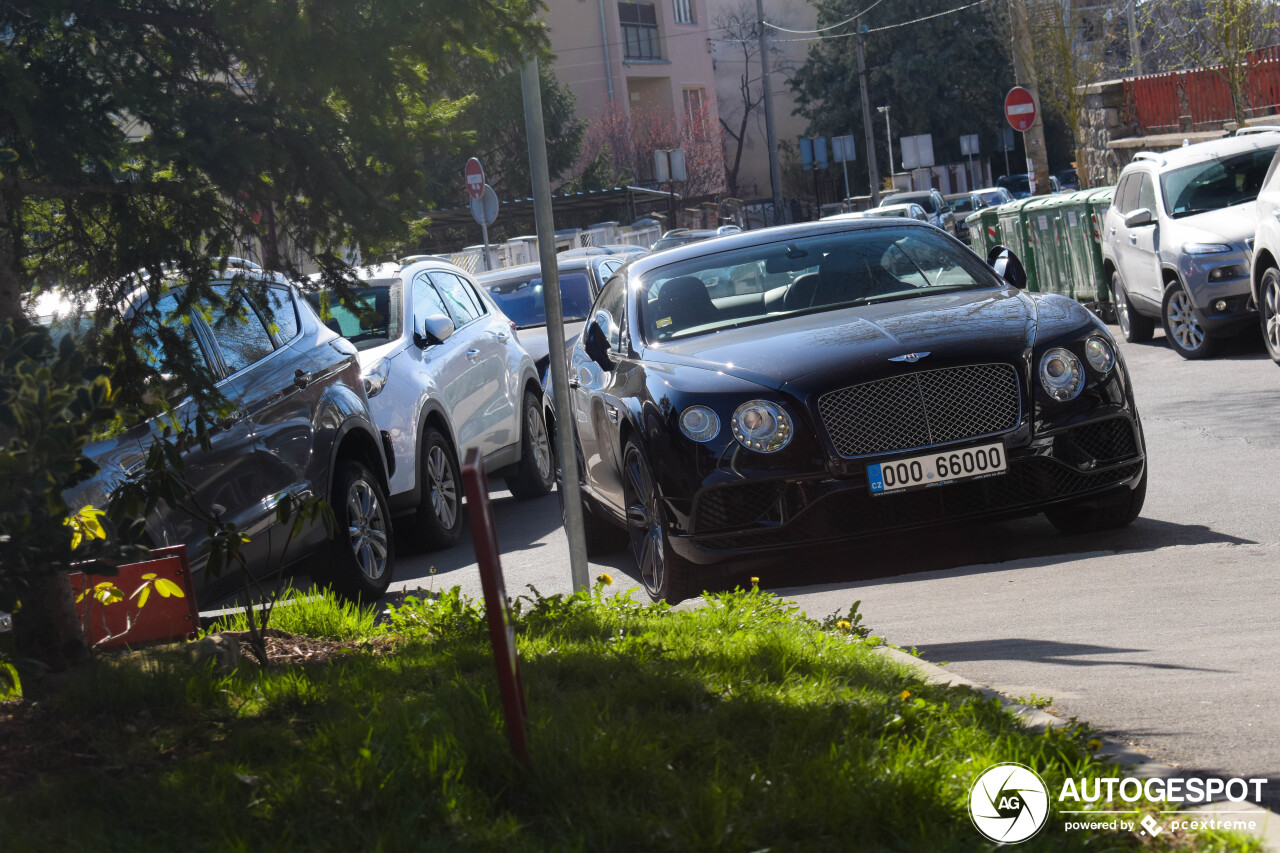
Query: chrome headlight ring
[762, 426]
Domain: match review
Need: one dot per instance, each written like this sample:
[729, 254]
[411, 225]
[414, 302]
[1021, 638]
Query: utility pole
[1135, 41]
[873, 171]
[1024, 70]
[888, 138]
[775, 174]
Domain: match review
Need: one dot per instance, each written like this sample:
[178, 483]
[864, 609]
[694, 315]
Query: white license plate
[935, 469]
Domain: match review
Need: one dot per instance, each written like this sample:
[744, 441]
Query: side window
[609, 309]
[1147, 194]
[1126, 194]
[242, 340]
[462, 303]
[426, 300]
[279, 313]
[150, 343]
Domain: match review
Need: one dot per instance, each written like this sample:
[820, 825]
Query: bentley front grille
[921, 409]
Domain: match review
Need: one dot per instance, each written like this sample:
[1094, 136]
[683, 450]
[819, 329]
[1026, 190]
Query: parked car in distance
[681, 236]
[1265, 267]
[1019, 186]
[933, 203]
[444, 373]
[962, 205]
[994, 196]
[1177, 241]
[1068, 179]
[296, 422]
[625, 250]
[518, 292]
[909, 210]
[882, 379]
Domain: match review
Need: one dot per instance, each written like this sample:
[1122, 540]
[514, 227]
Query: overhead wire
[889, 26]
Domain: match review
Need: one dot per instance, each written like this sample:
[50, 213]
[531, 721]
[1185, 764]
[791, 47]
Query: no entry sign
[1020, 108]
[474, 175]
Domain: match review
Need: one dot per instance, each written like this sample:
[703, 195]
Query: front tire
[1181, 326]
[536, 473]
[439, 516]
[1269, 311]
[1136, 328]
[665, 574]
[362, 551]
[1088, 518]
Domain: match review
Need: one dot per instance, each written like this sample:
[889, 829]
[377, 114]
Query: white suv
[1265, 276]
[1178, 238]
[444, 372]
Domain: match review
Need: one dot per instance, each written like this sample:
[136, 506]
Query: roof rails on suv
[1257, 128]
[1149, 155]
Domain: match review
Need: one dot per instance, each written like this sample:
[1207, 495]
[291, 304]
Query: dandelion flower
[755, 580]
[843, 625]
[904, 695]
[605, 579]
[1095, 744]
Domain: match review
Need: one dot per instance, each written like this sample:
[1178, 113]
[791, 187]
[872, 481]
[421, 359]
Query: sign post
[843, 149]
[484, 210]
[473, 178]
[1020, 109]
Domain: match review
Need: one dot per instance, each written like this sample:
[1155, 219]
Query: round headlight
[700, 423]
[761, 425]
[1061, 374]
[1100, 354]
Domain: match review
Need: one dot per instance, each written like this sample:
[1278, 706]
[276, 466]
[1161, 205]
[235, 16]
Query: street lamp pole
[888, 136]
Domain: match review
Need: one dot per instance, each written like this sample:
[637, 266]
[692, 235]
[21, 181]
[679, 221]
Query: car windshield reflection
[809, 275]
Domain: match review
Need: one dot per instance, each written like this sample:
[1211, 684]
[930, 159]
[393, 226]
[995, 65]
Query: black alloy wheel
[439, 517]
[1136, 328]
[536, 473]
[1182, 327]
[1269, 311]
[665, 575]
[363, 548]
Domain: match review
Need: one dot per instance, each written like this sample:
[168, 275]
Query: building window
[693, 106]
[684, 11]
[639, 30]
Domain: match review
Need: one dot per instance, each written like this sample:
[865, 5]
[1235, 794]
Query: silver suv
[1178, 237]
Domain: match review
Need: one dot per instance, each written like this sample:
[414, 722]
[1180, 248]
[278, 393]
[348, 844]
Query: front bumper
[1220, 290]
[767, 517]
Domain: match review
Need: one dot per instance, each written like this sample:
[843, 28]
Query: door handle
[502, 337]
[473, 354]
[573, 382]
[1133, 239]
[1113, 229]
[301, 379]
[229, 420]
[612, 413]
[1276, 214]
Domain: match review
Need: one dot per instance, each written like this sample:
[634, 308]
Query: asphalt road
[1164, 635]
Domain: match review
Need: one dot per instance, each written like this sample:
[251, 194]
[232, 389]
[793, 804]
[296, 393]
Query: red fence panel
[1263, 89]
[1208, 97]
[1154, 105]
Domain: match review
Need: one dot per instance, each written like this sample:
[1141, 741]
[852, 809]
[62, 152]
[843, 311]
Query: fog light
[1220, 305]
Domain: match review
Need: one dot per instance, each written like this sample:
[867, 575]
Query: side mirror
[1008, 267]
[596, 345]
[1138, 218]
[435, 329]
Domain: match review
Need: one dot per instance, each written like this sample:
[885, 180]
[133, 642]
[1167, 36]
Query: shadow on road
[1040, 651]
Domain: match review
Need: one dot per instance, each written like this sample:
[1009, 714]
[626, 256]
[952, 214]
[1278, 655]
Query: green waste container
[1015, 235]
[984, 229]
[1044, 235]
[1082, 217]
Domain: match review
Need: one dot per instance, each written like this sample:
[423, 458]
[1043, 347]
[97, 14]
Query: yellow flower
[1094, 744]
[904, 695]
[843, 625]
[755, 580]
[605, 579]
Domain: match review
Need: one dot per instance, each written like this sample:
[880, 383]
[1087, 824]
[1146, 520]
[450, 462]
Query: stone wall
[1110, 141]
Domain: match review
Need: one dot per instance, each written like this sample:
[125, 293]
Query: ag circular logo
[1009, 803]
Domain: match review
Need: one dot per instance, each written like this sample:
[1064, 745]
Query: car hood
[817, 351]
[1233, 224]
[535, 341]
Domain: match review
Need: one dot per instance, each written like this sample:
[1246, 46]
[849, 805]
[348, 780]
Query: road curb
[1139, 764]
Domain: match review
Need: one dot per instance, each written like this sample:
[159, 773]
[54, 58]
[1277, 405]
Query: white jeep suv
[444, 372]
[1178, 238]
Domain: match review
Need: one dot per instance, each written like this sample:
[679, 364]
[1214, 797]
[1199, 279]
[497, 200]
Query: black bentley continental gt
[748, 396]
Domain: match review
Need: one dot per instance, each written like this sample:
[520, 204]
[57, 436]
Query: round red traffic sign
[474, 175]
[1020, 108]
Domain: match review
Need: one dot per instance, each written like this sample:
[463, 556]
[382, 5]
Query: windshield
[925, 200]
[807, 275]
[1016, 183]
[521, 298]
[1216, 183]
[992, 198]
[367, 322]
[962, 205]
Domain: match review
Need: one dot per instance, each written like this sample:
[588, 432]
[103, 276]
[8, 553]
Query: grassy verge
[737, 726]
